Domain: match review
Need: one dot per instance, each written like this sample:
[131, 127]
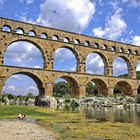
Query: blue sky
[117, 20]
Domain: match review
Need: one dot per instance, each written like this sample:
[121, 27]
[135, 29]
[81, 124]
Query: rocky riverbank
[21, 130]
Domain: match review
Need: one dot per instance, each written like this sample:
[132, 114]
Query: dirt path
[20, 130]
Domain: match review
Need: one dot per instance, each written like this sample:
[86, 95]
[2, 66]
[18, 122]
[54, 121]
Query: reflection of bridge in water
[48, 40]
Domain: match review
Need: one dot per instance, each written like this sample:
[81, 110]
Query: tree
[60, 89]
[91, 89]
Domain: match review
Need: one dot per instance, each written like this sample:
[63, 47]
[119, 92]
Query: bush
[67, 98]
[138, 98]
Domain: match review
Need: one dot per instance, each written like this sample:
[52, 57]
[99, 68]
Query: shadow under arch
[103, 59]
[34, 77]
[77, 58]
[101, 86]
[127, 61]
[73, 83]
[124, 88]
[31, 42]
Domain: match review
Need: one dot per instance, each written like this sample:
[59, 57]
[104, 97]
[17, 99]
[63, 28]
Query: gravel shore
[21, 130]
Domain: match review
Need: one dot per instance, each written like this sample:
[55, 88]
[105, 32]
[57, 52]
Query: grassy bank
[73, 126]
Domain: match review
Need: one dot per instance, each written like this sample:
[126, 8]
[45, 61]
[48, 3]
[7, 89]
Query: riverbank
[21, 130]
[71, 125]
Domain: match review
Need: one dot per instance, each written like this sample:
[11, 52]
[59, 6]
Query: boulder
[30, 102]
[47, 101]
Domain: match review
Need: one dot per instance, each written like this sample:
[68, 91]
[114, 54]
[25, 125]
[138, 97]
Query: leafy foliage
[91, 89]
[61, 89]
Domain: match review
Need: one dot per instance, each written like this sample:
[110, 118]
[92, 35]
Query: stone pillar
[1, 60]
[110, 91]
[48, 89]
[48, 65]
[82, 91]
[1, 84]
[134, 92]
[133, 73]
[110, 71]
[81, 68]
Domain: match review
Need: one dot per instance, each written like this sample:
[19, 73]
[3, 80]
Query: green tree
[60, 89]
[91, 89]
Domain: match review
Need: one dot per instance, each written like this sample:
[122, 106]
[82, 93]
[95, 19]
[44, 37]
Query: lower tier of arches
[45, 81]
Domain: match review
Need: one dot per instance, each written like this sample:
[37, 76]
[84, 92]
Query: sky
[116, 20]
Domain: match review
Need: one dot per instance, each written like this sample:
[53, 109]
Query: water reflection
[111, 114]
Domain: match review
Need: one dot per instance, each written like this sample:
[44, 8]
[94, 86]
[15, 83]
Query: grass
[74, 126]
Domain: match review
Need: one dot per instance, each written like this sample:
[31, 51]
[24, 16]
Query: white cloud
[71, 15]
[16, 77]
[132, 3]
[114, 27]
[94, 64]
[37, 66]
[27, 1]
[136, 40]
[63, 54]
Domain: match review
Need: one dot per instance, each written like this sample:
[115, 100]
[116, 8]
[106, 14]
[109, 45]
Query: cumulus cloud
[2, 2]
[136, 40]
[70, 15]
[114, 27]
[94, 64]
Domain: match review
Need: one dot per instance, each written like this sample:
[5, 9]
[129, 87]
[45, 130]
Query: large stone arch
[42, 51]
[101, 86]
[129, 65]
[76, 54]
[125, 87]
[37, 79]
[103, 57]
[74, 85]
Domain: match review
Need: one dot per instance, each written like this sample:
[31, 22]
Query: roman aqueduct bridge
[48, 40]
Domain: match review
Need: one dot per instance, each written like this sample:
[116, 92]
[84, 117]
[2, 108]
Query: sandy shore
[20, 130]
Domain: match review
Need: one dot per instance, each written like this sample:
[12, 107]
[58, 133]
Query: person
[21, 117]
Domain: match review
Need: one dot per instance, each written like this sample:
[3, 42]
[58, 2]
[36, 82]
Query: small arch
[32, 33]
[104, 47]
[76, 41]
[136, 52]
[121, 50]
[72, 84]
[55, 37]
[99, 87]
[66, 40]
[129, 51]
[123, 88]
[44, 35]
[86, 43]
[96, 45]
[113, 48]
[6, 28]
[138, 90]
[19, 31]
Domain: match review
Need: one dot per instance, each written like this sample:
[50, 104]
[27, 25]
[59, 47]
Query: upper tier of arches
[67, 37]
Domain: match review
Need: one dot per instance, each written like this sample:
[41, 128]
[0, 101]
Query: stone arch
[19, 30]
[128, 63]
[125, 88]
[66, 39]
[32, 33]
[77, 58]
[74, 85]
[29, 41]
[6, 28]
[35, 77]
[101, 86]
[103, 59]
[44, 35]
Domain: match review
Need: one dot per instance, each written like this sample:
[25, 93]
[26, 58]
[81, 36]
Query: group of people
[21, 116]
